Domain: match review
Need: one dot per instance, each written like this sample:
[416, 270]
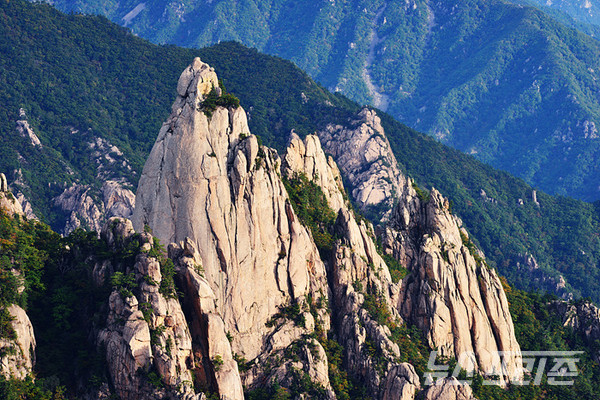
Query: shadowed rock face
[355, 270]
[146, 329]
[583, 317]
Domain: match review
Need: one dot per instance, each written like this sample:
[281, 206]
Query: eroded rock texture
[363, 154]
[451, 294]
[252, 274]
[208, 180]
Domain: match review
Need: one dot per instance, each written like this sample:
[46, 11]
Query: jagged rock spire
[3, 183]
[450, 294]
[208, 181]
[8, 202]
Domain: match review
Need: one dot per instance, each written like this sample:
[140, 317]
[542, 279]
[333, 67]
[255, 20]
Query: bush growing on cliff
[310, 204]
[213, 100]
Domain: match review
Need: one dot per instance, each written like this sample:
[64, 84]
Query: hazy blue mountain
[504, 82]
[83, 79]
[584, 11]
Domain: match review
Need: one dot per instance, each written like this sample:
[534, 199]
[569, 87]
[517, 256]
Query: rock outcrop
[358, 275]
[8, 202]
[85, 210]
[25, 130]
[363, 154]
[17, 351]
[252, 274]
[582, 317]
[25, 205]
[451, 293]
[449, 389]
[146, 329]
[208, 180]
[307, 158]
[210, 341]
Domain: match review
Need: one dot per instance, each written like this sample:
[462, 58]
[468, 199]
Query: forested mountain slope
[585, 11]
[117, 85]
[504, 82]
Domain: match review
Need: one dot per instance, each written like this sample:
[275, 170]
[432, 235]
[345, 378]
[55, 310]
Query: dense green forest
[119, 87]
[65, 304]
[513, 85]
[584, 13]
[563, 12]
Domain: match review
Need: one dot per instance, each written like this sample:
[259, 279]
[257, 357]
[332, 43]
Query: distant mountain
[116, 87]
[504, 82]
[584, 11]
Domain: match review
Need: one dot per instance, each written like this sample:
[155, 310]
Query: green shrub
[311, 207]
[217, 362]
[212, 101]
[124, 283]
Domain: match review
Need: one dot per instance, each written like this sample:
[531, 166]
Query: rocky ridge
[450, 294]
[17, 350]
[356, 270]
[89, 208]
[259, 298]
[363, 153]
[211, 188]
[208, 181]
[146, 328]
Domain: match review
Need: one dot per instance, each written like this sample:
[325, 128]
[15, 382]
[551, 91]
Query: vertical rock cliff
[207, 180]
[17, 340]
[357, 275]
[450, 293]
[252, 274]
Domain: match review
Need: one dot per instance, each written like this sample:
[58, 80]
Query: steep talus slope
[504, 82]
